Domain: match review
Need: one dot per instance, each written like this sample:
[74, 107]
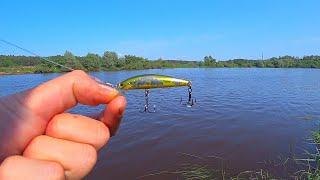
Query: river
[244, 116]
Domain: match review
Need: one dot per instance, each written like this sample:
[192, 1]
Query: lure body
[149, 81]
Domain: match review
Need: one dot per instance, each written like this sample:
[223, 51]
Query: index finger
[65, 92]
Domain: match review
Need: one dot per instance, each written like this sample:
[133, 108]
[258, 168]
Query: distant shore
[110, 61]
[19, 72]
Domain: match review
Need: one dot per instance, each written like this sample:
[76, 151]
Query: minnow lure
[151, 81]
[148, 81]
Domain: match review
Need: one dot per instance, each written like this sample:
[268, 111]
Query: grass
[17, 70]
[309, 167]
[312, 162]
[203, 172]
[198, 172]
[316, 137]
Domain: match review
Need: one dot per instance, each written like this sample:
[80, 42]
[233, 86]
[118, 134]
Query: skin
[39, 140]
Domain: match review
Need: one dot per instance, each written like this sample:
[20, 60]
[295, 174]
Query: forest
[12, 64]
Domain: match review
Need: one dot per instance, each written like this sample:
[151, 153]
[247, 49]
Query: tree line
[275, 62]
[111, 61]
[91, 62]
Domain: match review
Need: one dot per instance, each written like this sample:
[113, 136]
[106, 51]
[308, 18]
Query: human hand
[39, 141]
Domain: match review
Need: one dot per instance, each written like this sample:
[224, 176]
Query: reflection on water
[245, 116]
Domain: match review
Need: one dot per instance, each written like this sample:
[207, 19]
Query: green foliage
[92, 62]
[111, 61]
[12, 61]
[316, 136]
[280, 62]
[72, 61]
[134, 62]
[45, 68]
[209, 61]
[198, 172]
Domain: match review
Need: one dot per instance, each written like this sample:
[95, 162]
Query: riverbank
[111, 62]
[17, 70]
[33, 70]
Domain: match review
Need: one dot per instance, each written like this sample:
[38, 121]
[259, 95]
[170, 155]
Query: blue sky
[171, 29]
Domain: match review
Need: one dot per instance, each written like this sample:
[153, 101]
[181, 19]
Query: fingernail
[110, 90]
[121, 111]
[122, 106]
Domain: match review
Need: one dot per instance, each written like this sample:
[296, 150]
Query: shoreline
[18, 72]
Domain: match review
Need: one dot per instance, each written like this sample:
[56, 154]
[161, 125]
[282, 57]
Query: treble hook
[146, 104]
[191, 101]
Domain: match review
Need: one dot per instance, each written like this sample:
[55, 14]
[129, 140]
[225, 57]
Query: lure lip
[189, 83]
[118, 86]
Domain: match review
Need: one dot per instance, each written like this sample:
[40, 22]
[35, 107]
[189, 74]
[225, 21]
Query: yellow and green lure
[150, 81]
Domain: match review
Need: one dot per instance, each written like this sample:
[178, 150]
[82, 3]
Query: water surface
[244, 116]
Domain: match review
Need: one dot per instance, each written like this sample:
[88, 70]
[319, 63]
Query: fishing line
[36, 55]
[47, 60]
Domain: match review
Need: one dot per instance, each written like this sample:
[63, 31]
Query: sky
[168, 29]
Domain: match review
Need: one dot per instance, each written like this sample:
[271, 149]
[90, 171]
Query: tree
[92, 62]
[110, 59]
[135, 62]
[72, 61]
[259, 64]
[209, 61]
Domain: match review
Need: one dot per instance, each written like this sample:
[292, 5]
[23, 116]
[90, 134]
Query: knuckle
[10, 159]
[60, 116]
[56, 171]
[89, 156]
[7, 167]
[56, 124]
[103, 134]
[34, 145]
[79, 73]
[86, 159]
[38, 140]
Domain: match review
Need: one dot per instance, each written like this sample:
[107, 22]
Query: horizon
[191, 60]
[169, 30]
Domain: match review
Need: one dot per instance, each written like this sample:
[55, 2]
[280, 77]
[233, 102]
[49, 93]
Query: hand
[39, 141]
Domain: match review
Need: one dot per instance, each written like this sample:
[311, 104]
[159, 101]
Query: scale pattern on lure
[150, 81]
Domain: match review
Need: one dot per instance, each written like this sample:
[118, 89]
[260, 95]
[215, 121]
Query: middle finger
[78, 128]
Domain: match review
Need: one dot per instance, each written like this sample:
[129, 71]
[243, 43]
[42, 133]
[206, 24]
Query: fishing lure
[151, 81]
[146, 82]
